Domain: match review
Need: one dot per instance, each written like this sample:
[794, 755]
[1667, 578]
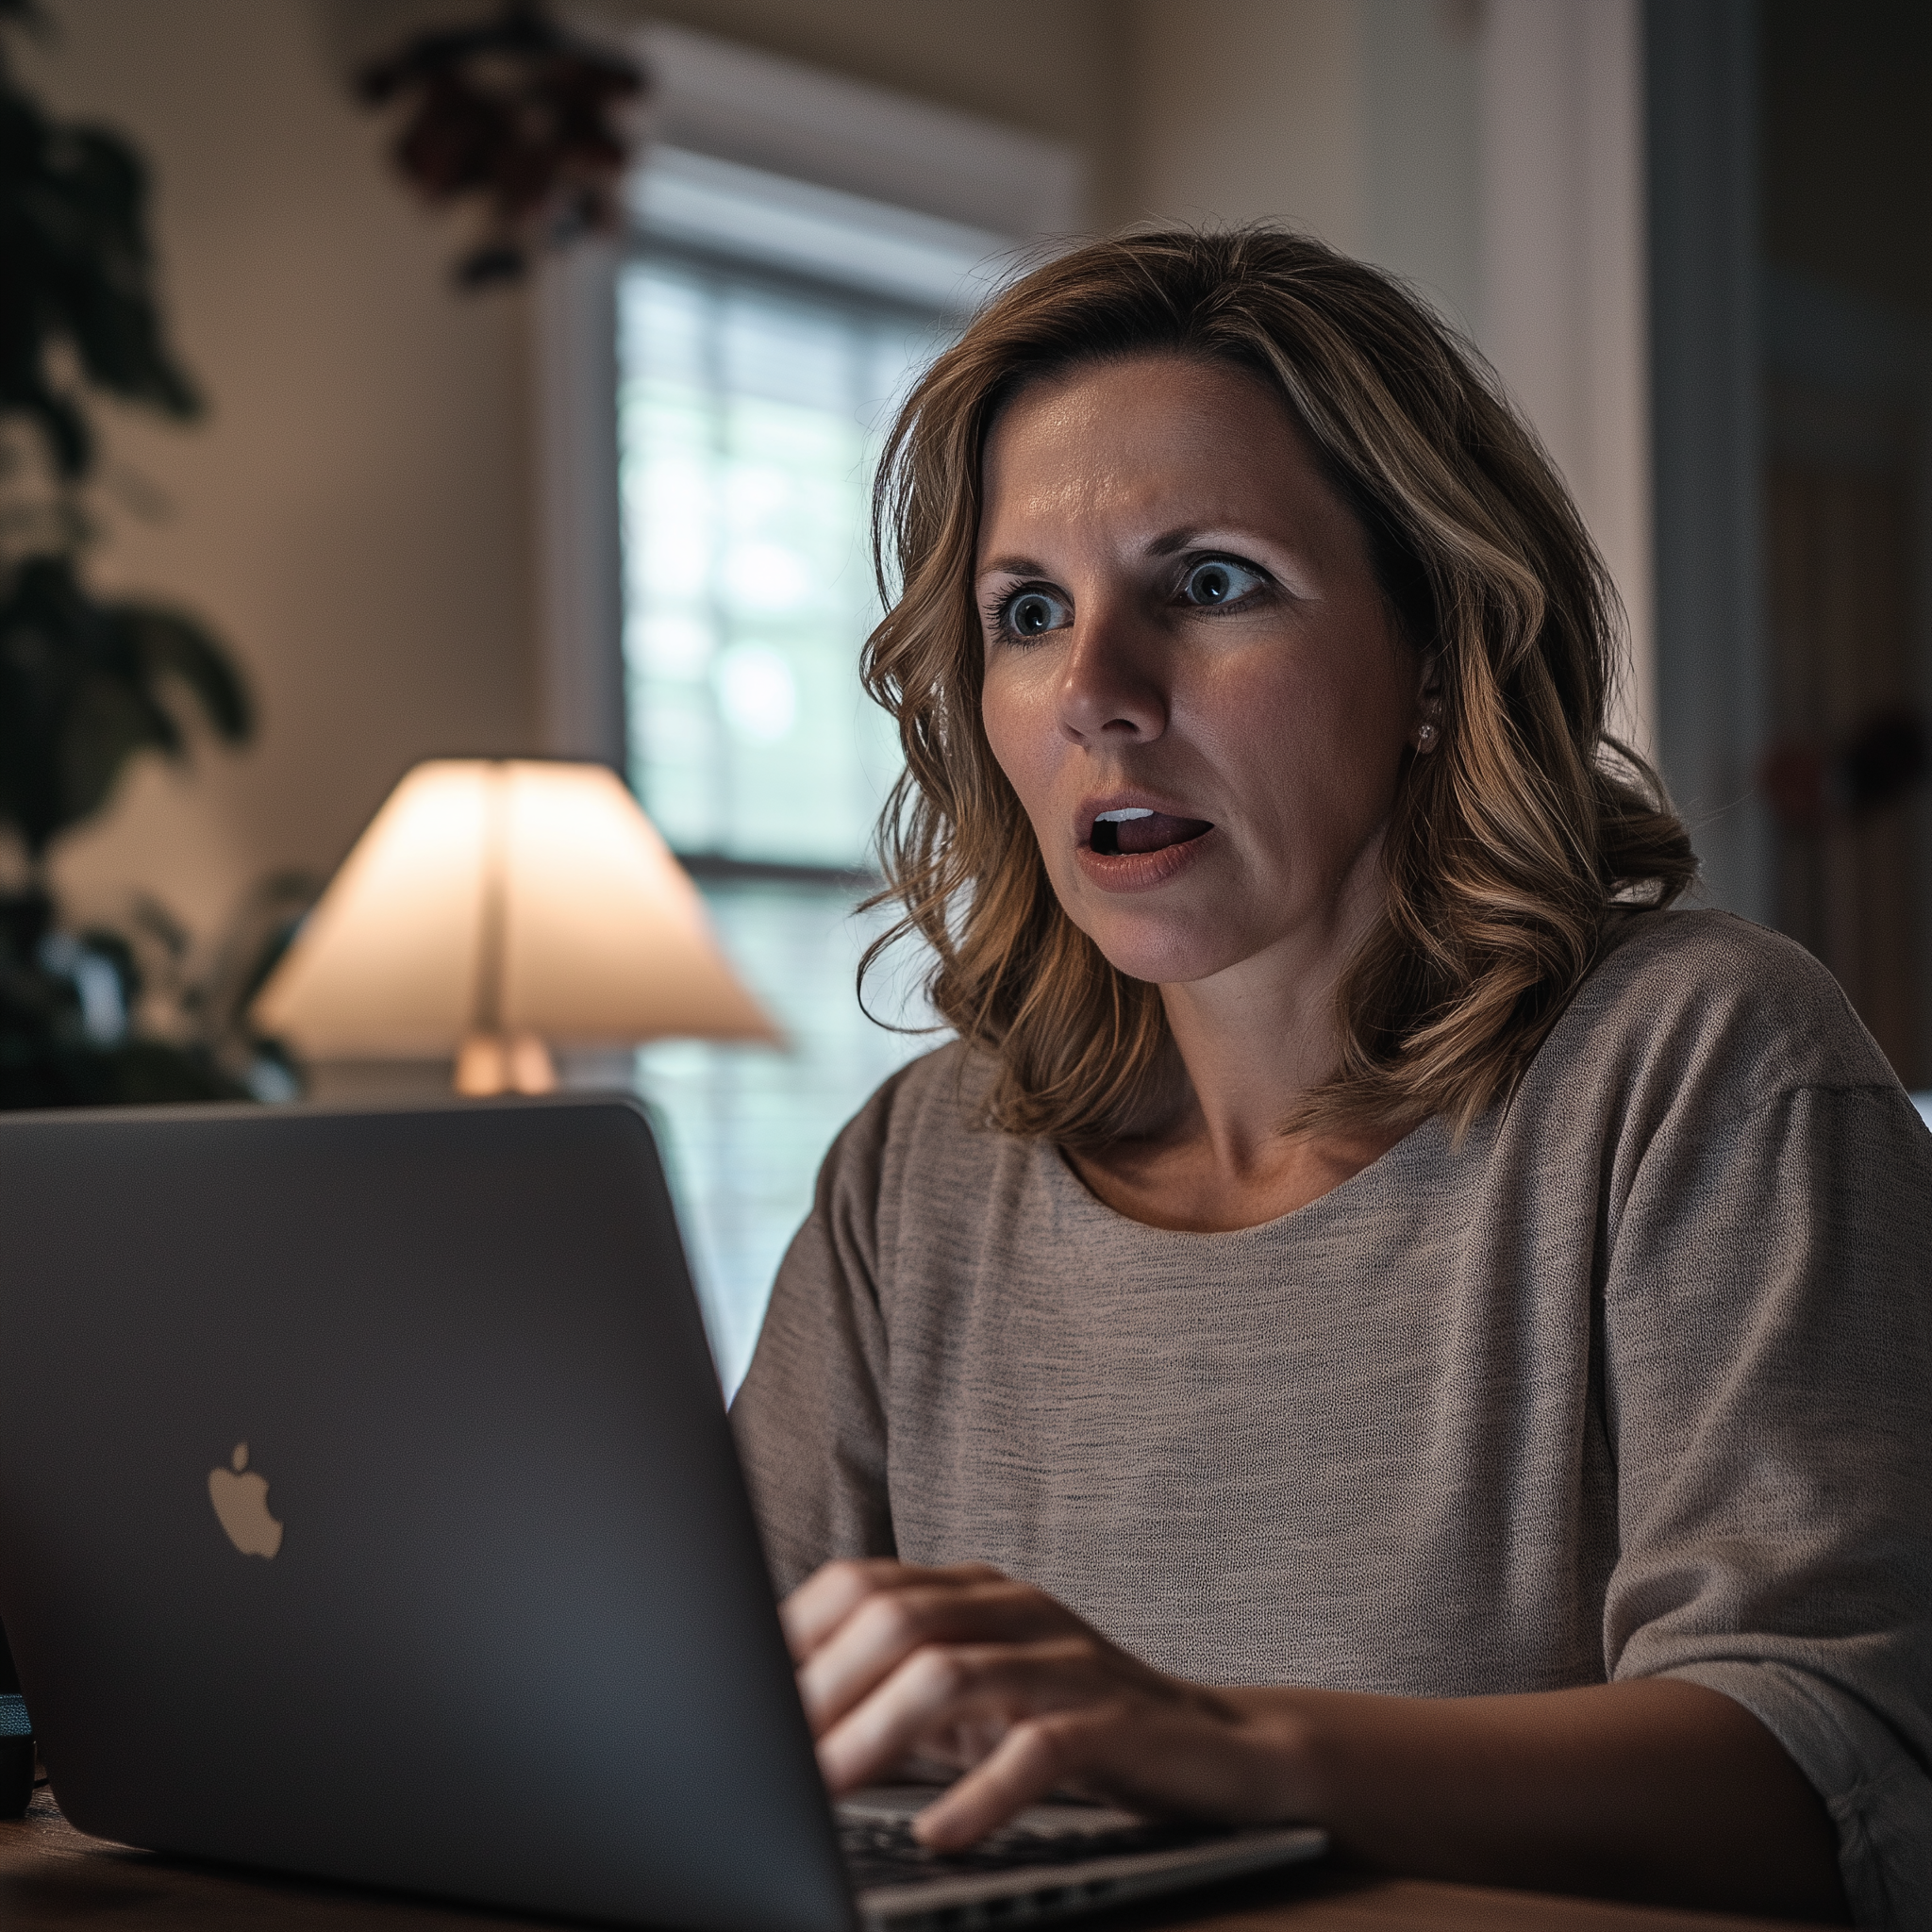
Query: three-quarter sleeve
[1768, 1383]
[809, 1418]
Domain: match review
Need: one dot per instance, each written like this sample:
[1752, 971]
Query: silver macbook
[368, 1510]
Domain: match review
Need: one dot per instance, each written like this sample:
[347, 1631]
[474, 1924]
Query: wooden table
[51, 1876]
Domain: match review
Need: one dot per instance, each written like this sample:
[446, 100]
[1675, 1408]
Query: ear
[1427, 731]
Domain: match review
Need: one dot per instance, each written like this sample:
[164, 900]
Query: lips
[1128, 842]
[1120, 835]
[1129, 845]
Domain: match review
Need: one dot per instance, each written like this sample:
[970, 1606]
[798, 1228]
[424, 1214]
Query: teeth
[1125, 812]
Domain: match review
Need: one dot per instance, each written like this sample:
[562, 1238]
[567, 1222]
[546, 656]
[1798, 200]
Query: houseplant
[87, 683]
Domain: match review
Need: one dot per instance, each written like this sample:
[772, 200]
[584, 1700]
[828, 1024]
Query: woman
[1374, 1320]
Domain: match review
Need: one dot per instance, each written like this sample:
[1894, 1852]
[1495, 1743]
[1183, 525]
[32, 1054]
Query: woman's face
[1193, 681]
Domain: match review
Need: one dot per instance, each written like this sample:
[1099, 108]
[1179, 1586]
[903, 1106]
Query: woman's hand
[968, 1669]
[1654, 1788]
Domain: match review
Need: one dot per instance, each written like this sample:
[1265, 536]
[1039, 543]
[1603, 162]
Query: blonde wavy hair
[1509, 845]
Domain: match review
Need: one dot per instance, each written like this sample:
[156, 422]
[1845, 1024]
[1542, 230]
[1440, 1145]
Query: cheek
[1320, 746]
[1016, 713]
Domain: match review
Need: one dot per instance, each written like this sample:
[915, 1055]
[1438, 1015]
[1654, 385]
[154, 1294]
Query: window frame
[729, 103]
[745, 271]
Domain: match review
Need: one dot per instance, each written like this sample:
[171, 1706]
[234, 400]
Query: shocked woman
[1375, 1320]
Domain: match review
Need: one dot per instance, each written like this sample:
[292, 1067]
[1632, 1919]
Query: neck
[1254, 1041]
[1258, 1039]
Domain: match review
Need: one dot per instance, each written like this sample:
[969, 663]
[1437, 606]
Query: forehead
[1159, 437]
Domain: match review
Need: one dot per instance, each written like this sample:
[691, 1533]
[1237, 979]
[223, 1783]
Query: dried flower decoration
[526, 118]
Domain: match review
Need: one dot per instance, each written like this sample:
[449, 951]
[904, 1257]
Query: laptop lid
[368, 1509]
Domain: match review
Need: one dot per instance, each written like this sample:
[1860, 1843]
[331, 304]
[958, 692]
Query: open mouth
[1135, 828]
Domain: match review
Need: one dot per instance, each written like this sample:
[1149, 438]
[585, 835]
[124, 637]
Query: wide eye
[1033, 613]
[1220, 580]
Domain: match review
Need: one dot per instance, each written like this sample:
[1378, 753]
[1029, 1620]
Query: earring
[1425, 736]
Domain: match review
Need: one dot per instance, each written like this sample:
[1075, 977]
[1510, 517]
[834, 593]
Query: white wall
[1249, 108]
[1564, 272]
[1421, 111]
[352, 514]
[1489, 150]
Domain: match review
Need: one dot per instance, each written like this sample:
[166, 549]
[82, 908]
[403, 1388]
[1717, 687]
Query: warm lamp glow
[493, 906]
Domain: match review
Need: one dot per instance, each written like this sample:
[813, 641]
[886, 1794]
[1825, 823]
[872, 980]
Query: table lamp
[496, 908]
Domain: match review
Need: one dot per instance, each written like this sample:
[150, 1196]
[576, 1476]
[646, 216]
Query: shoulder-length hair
[1510, 844]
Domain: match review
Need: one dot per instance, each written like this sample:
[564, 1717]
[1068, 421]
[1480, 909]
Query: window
[757, 375]
[802, 245]
[749, 416]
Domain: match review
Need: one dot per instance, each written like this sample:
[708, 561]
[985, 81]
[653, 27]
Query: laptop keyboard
[882, 1851]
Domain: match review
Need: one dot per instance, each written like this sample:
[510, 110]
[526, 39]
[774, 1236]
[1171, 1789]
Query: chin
[1165, 951]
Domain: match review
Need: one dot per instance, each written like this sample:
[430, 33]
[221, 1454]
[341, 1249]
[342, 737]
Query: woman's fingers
[966, 1666]
[942, 1689]
[852, 1624]
[1069, 1712]
[1035, 1758]
[823, 1602]
[1164, 1749]
[892, 1626]
[827, 1598]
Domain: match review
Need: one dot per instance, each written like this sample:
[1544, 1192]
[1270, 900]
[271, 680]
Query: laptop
[368, 1511]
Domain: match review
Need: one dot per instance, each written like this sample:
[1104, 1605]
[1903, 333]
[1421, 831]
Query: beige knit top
[1636, 1381]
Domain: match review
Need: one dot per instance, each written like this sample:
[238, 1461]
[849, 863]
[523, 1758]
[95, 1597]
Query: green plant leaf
[76, 268]
[165, 644]
[106, 722]
[85, 685]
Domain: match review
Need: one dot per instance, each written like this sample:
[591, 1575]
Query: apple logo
[241, 1503]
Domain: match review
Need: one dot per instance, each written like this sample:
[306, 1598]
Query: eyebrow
[1176, 540]
[1169, 543]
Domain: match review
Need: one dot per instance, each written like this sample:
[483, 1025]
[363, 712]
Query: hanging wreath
[532, 124]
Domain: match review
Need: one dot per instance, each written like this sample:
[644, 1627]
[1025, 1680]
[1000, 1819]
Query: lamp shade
[499, 898]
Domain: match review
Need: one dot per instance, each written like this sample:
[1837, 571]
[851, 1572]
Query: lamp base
[503, 1063]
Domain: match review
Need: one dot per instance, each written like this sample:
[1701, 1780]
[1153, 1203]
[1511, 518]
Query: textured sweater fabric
[1636, 1381]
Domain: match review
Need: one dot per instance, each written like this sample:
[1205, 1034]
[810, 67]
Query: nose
[1111, 691]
